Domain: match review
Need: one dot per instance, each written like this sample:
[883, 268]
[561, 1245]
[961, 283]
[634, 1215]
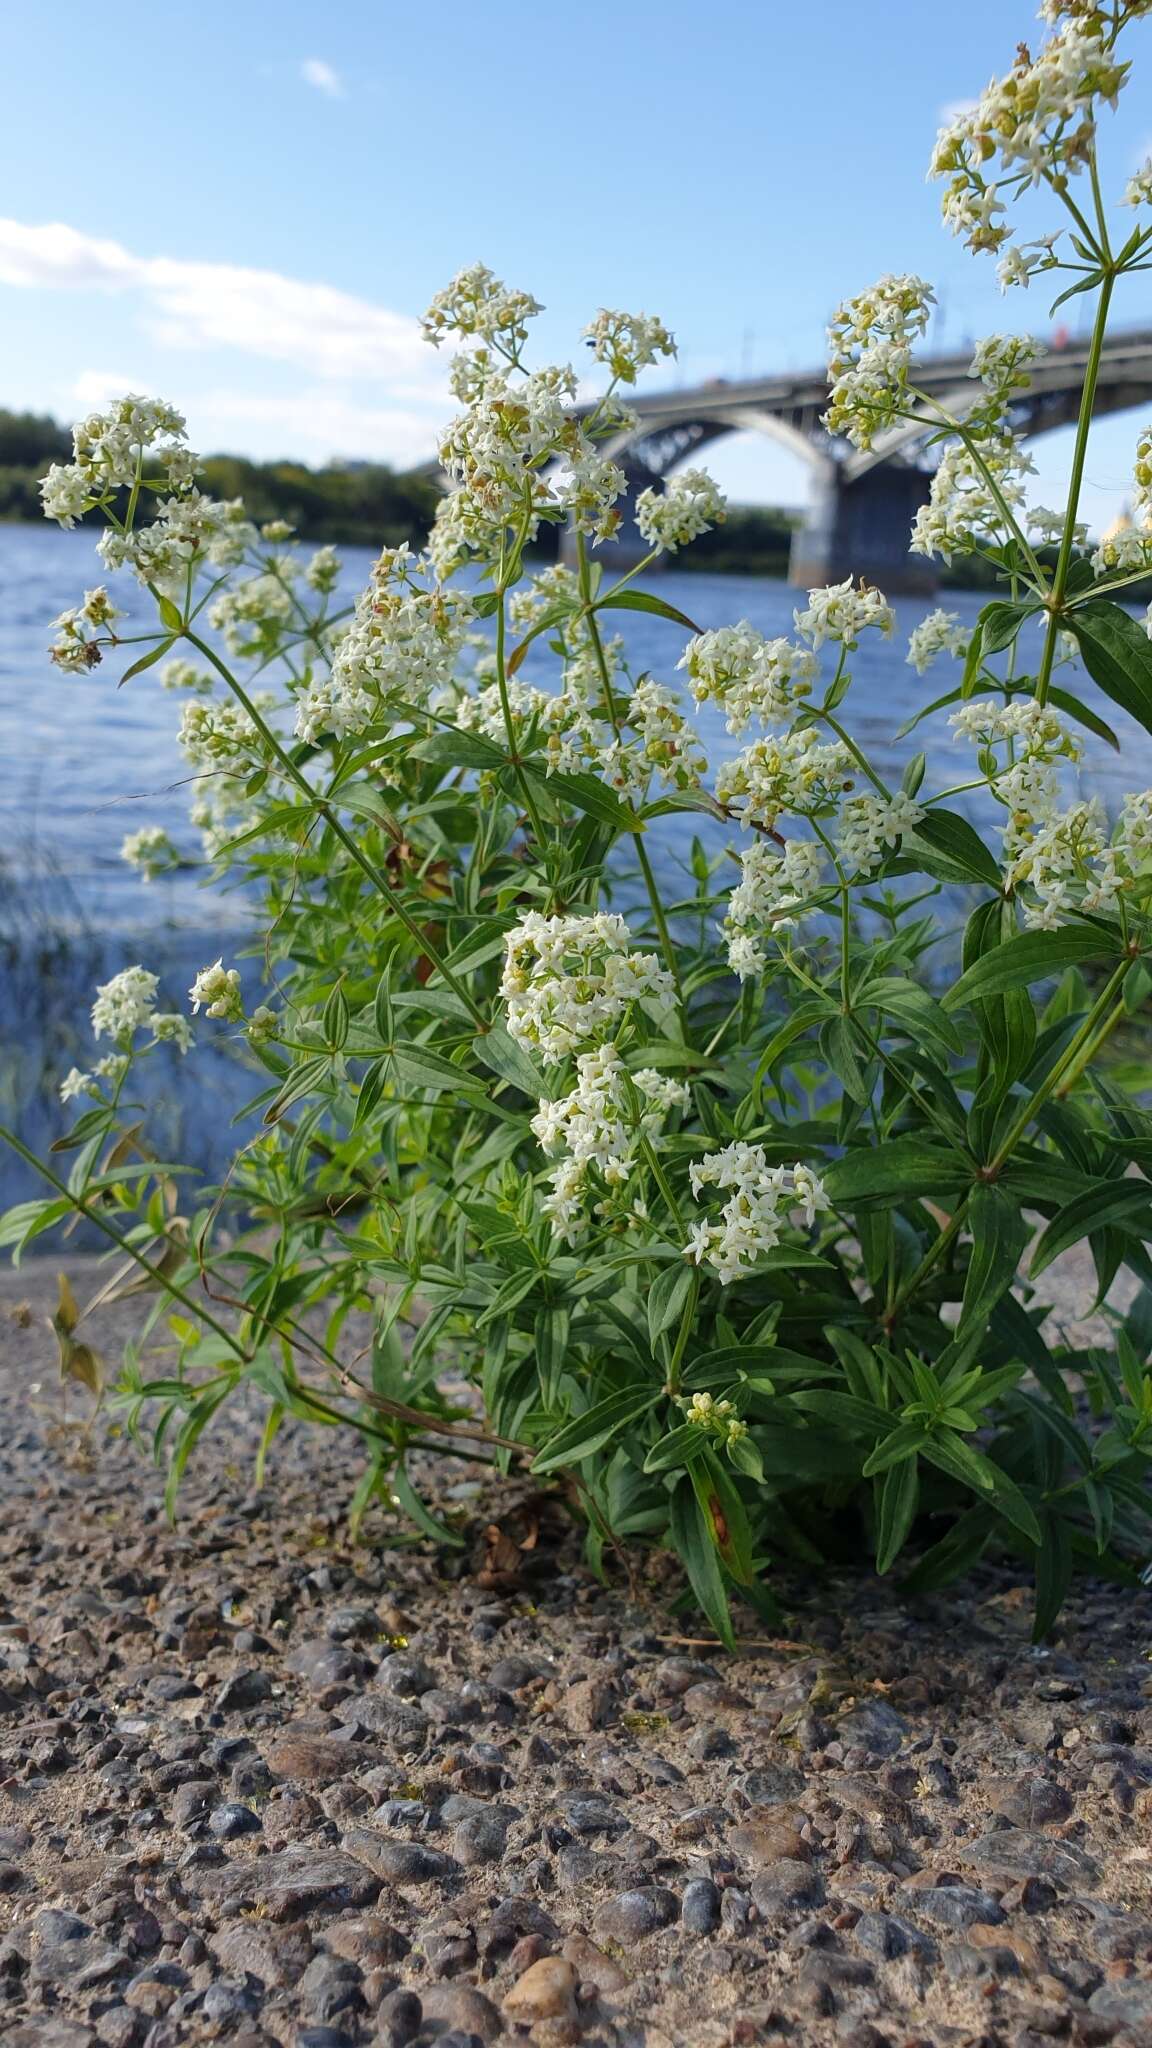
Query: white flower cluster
[719, 1418]
[568, 980]
[476, 303]
[184, 675]
[939, 633]
[1002, 361]
[1060, 854]
[322, 571]
[125, 1004]
[1126, 550]
[108, 453]
[590, 486]
[1138, 190]
[150, 850]
[402, 646]
[594, 1130]
[968, 494]
[792, 772]
[687, 506]
[776, 885]
[1038, 121]
[842, 611]
[665, 744]
[216, 990]
[77, 647]
[627, 342]
[221, 735]
[870, 344]
[870, 822]
[1142, 472]
[254, 615]
[762, 1200]
[186, 532]
[748, 676]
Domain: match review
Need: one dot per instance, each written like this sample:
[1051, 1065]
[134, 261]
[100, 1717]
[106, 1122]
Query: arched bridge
[863, 502]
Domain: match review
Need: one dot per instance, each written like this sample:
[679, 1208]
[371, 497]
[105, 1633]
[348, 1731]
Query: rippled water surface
[84, 763]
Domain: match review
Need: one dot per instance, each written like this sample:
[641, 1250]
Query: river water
[85, 763]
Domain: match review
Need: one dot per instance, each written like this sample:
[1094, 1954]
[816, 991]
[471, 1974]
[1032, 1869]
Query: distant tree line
[363, 502]
[370, 505]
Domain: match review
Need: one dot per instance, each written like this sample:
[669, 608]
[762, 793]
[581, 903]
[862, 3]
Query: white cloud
[316, 327]
[315, 72]
[369, 385]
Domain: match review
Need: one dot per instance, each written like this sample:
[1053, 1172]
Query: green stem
[1080, 453]
[379, 880]
[648, 1152]
[687, 1322]
[1061, 1069]
[657, 906]
[92, 1215]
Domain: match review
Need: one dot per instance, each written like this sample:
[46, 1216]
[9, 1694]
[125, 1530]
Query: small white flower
[842, 611]
[568, 980]
[688, 505]
[939, 633]
[170, 1028]
[761, 1200]
[149, 849]
[626, 342]
[125, 1004]
[216, 989]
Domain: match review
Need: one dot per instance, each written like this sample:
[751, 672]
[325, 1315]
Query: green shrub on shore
[722, 1215]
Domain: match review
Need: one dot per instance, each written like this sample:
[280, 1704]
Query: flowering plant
[718, 1206]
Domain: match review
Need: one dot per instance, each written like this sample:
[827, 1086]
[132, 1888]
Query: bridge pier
[861, 529]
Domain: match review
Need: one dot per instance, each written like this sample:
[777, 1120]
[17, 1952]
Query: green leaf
[848, 1411]
[955, 1553]
[457, 750]
[596, 1427]
[912, 1006]
[191, 1430]
[677, 1448]
[693, 1544]
[838, 1044]
[802, 1019]
[898, 1496]
[417, 1512]
[724, 1514]
[1029, 957]
[1117, 654]
[500, 1052]
[553, 616]
[1000, 622]
[904, 1167]
[667, 1296]
[904, 1442]
[421, 1067]
[962, 1461]
[956, 842]
[585, 793]
[335, 1020]
[1063, 700]
[643, 601]
[147, 661]
[1053, 1574]
[1105, 1202]
[999, 1235]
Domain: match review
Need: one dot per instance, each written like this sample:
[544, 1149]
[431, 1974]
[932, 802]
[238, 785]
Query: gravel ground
[261, 1786]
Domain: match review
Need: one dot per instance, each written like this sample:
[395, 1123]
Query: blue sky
[244, 209]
